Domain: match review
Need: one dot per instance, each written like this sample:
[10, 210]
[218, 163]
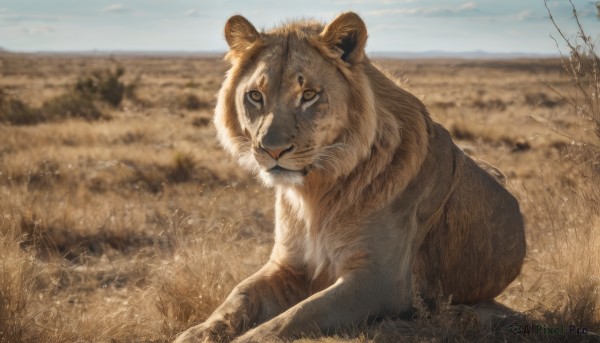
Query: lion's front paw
[213, 331]
[270, 332]
[258, 335]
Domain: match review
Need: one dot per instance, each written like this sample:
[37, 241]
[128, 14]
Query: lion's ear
[347, 33]
[240, 34]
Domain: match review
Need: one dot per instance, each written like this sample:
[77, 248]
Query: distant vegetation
[82, 100]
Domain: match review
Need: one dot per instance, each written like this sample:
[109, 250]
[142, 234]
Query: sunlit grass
[133, 229]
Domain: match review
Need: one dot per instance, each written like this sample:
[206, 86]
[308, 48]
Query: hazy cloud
[467, 6]
[116, 8]
[524, 15]
[588, 12]
[10, 18]
[562, 9]
[463, 9]
[387, 2]
[5, 14]
[426, 11]
[37, 30]
[391, 11]
[393, 27]
[380, 2]
[192, 12]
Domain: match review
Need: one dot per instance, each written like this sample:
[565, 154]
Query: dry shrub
[490, 104]
[104, 85]
[16, 112]
[101, 85]
[464, 130]
[71, 105]
[80, 101]
[68, 105]
[540, 99]
[201, 121]
[64, 106]
[583, 66]
[183, 168]
[444, 105]
[190, 102]
[194, 102]
[131, 89]
[573, 217]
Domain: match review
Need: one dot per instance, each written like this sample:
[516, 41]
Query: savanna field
[122, 220]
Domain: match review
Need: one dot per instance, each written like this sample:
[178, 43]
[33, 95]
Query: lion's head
[296, 102]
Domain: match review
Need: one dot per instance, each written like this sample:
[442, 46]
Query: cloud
[393, 27]
[381, 2]
[467, 6]
[391, 11]
[115, 8]
[462, 10]
[588, 12]
[8, 18]
[387, 2]
[524, 15]
[192, 12]
[37, 30]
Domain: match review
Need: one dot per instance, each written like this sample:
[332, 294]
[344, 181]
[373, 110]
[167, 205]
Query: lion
[373, 197]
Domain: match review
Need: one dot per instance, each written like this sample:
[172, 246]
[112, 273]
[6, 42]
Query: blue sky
[195, 25]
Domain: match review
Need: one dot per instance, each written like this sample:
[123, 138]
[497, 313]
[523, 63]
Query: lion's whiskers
[245, 158]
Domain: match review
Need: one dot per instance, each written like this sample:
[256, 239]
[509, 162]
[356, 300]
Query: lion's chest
[316, 239]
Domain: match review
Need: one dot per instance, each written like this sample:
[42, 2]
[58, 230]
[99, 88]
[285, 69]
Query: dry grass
[17, 283]
[132, 229]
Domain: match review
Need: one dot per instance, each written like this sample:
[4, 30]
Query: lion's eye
[255, 96]
[308, 95]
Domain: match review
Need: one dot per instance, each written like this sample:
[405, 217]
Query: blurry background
[122, 220]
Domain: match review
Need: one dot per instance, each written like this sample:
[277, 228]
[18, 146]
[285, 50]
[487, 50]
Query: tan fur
[374, 193]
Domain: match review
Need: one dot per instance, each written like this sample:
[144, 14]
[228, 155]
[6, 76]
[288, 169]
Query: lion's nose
[277, 152]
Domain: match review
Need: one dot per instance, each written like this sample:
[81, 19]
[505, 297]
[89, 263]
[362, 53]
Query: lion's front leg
[262, 296]
[353, 299]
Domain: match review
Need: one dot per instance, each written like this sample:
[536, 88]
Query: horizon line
[214, 53]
